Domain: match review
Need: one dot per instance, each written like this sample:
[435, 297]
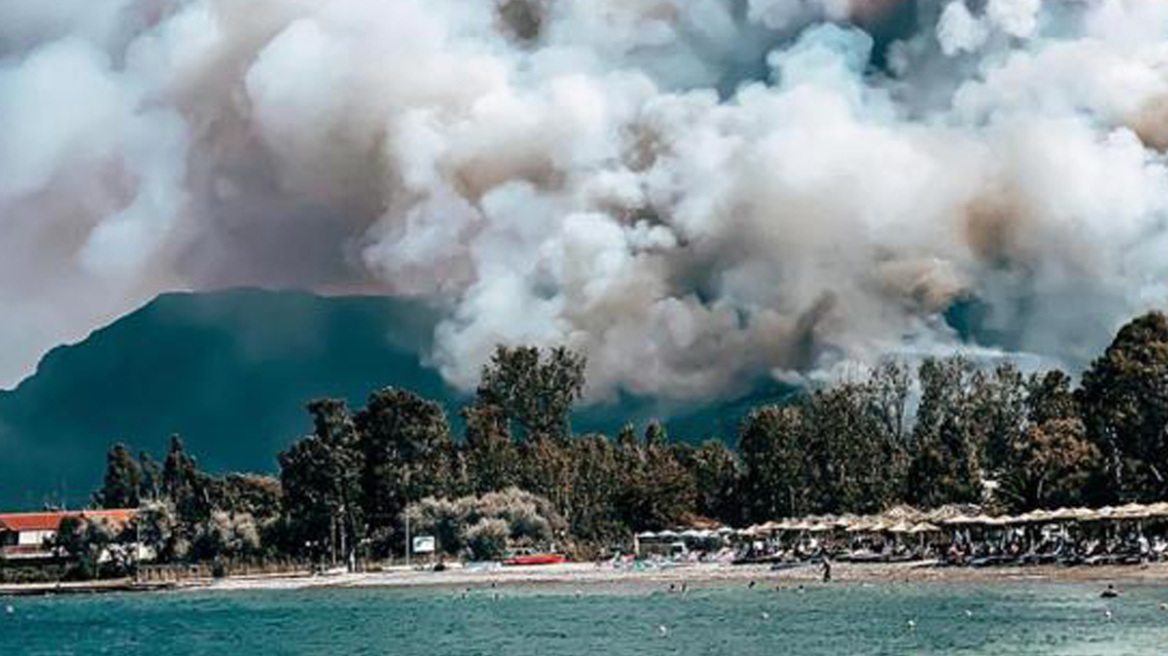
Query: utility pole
[407, 499]
[344, 535]
[333, 538]
[138, 544]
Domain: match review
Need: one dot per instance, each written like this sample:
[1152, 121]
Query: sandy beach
[590, 574]
[700, 575]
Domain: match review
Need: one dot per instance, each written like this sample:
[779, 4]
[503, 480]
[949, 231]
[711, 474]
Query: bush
[488, 539]
[489, 524]
[227, 534]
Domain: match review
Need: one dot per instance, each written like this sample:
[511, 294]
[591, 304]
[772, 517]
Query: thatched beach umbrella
[900, 527]
[974, 520]
[1136, 511]
[1036, 516]
[844, 521]
[769, 527]
[924, 527]
[902, 513]
[951, 511]
[860, 525]
[1087, 515]
[1064, 515]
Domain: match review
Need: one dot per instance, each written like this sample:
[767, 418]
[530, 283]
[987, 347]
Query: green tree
[770, 442]
[227, 535]
[534, 389]
[1000, 414]
[123, 480]
[1050, 466]
[151, 479]
[717, 477]
[184, 484]
[888, 388]
[320, 481]
[850, 462]
[1049, 396]
[406, 448]
[942, 470]
[157, 524]
[546, 469]
[255, 495]
[491, 457]
[595, 478]
[1124, 397]
[944, 467]
[90, 541]
[655, 491]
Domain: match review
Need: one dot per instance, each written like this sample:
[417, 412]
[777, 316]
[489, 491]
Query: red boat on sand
[532, 558]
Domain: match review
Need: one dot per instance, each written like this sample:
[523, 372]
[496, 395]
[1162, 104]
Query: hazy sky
[694, 192]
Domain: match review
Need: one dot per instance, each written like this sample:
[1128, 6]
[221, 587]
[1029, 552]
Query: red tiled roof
[51, 521]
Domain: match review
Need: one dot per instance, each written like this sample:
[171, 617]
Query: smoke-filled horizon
[695, 193]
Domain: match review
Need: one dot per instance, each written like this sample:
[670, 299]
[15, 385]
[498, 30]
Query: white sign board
[424, 544]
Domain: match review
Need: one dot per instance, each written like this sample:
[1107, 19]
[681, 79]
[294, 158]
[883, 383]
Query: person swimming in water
[1110, 593]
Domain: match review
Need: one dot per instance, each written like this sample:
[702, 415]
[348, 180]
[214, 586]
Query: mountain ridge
[231, 371]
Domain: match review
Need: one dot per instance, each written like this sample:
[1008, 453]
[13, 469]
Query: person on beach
[826, 569]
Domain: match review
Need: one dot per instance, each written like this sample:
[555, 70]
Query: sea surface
[998, 619]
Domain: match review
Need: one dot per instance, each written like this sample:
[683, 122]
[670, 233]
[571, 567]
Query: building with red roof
[26, 535]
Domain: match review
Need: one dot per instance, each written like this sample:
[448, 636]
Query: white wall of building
[34, 538]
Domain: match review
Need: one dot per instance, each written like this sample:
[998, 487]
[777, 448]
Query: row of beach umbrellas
[905, 519]
[693, 534]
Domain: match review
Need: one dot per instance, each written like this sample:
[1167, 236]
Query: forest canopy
[949, 430]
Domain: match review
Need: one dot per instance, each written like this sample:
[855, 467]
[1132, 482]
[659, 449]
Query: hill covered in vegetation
[231, 372]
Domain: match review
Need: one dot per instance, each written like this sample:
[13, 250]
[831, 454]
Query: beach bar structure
[679, 542]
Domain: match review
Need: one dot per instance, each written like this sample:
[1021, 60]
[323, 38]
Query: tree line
[946, 431]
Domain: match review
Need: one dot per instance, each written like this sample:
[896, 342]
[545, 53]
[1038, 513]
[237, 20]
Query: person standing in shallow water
[826, 569]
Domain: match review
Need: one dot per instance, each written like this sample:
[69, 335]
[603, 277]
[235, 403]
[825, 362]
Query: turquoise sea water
[1040, 618]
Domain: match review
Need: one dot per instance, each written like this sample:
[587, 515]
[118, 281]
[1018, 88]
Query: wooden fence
[194, 572]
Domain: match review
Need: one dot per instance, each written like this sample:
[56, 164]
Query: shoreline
[706, 575]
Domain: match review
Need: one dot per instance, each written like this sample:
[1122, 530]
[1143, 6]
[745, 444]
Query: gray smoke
[694, 192]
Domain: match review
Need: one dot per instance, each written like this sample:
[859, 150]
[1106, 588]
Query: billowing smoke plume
[695, 192]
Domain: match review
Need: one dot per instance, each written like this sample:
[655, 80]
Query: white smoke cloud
[958, 30]
[695, 193]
